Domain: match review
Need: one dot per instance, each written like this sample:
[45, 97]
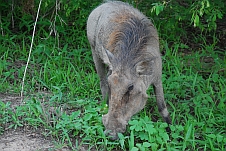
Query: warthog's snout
[113, 125]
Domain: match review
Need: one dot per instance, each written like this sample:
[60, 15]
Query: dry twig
[29, 56]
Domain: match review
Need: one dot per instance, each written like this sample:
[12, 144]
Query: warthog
[126, 43]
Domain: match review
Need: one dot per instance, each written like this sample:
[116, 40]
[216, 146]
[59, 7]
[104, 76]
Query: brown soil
[20, 140]
[23, 139]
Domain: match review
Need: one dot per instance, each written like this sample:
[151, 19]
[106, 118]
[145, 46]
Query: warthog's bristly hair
[130, 37]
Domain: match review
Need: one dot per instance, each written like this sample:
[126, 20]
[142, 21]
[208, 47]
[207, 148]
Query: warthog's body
[127, 42]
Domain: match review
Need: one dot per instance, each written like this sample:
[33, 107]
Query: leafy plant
[148, 134]
[5, 115]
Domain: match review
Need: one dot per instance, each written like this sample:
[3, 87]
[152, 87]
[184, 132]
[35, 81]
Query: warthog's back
[106, 19]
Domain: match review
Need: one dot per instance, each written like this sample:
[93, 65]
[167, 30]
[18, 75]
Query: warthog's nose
[113, 135]
[113, 126]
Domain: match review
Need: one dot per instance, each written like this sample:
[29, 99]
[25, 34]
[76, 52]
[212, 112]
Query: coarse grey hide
[125, 49]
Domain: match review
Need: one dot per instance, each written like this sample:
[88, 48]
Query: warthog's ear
[145, 67]
[108, 57]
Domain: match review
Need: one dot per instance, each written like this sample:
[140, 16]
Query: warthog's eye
[109, 73]
[127, 94]
[130, 88]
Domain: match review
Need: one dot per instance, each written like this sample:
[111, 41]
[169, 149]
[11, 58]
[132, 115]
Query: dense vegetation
[61, 88]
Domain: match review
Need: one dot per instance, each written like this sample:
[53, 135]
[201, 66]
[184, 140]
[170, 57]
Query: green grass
[71, 113]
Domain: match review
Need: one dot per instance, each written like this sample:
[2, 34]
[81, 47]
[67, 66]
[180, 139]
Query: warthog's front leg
[161, 103]
[100, 68]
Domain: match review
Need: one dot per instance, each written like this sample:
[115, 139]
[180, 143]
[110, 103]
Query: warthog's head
[127, 91]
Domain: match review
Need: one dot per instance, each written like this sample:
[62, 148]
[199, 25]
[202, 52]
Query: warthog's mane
[130, 37]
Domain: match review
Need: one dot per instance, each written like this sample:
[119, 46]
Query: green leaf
[87, 117]
[207, 4]
[142, 148]
[154, 146]
[146, 144]
[133, 122]
[146, 119]
[212, 136]
[175, 135]
[75, 114]
[134, 149]
[121, 140]
[151, 129]
[219, 15]
[196, 21]
[180, 128]
[138, 128]
[39, 108]
[121, 136]
[159, 8]
[159, 139]
[77, 125]
[165, 137]
[188, 134]
[163, 125]
[173, 128]
[219, 138]
[143, 135]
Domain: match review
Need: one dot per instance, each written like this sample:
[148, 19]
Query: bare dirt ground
[23, 139]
